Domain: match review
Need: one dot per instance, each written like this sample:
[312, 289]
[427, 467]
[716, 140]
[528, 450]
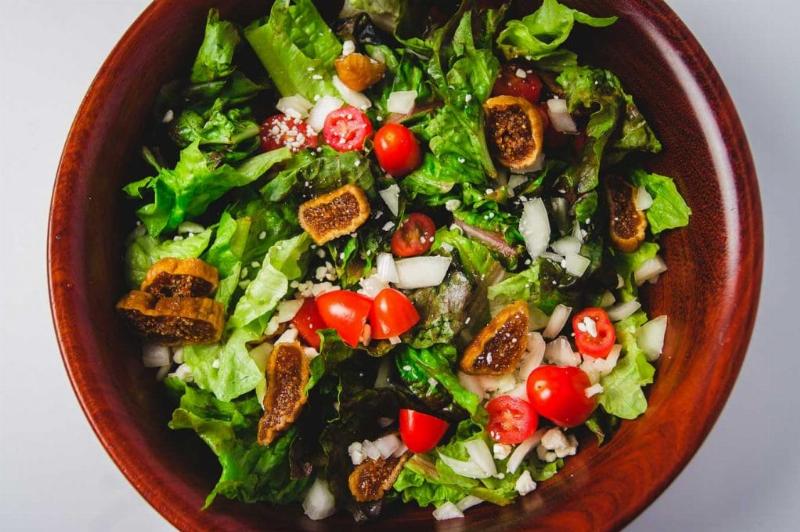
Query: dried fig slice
[370, 480]
[627, 224]
[514, 130]
[171, 277]
[334, 214]
[287, 376]
[498, 348]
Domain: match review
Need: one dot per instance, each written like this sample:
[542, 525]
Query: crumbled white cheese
[348, 47]
[501, 451]
[525, 484]
[452, 205]
[356, 452]
[521, 73]
[594, 389]
[555, 444]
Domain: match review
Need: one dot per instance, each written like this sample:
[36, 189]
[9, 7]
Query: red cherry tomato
[280, 130]
[593, 340]
[579, 142]
[397, 149]
[414, 236]
[420, 432]
[511, 420]
[559, 394]
[308, 321]
[346, 312]
[512, 83]
[347, 129]
[392, 314]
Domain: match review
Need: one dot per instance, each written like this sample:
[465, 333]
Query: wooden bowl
[710, 293]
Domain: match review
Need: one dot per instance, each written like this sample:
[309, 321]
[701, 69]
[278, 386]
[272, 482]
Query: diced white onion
[538, 319]
[401, 102]
[535, 166]
[607, 299]
[387, 445]
[471, 383]
[468, 502]
[421, 272]
[593, 390]
[555, 257]
[534, 225]
[497, 383]
[650, 269]
[287, 310]
[190, 227]
[650, 337]
[576, 265]
[319, 502]
[532, 358]
[522, 451]
[371, 286]
[400, 450]
[596, 368]
[467, 469]
[447, 511]
[177, 355]
[557, 321]
[514, 181]
[288, 336]
[348, 47]
[354, 98]
[385, 268]
[569, 245]
[162, 373]
[324, 106]
[643, 199]
[356, 452]
[480, 454]
[371, 450]
[621, 311]
[559, 116]
[294, 106]
[560, 353]
[520, 391]
[155, 356]
[391, 197]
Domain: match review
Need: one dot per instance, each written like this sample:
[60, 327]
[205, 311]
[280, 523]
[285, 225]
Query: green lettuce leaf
[226, 253]
[386, 14]
[332, 352]
[475, 258]
[442, 311]
[623, 394]
[216, 126]
[627, 263]
[539, 35]
[297, 48]
[143, 251]
[534, 286]
[250, 472]
[215, 58]
[669, 209]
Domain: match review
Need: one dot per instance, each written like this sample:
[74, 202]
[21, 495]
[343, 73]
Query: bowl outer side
[711, 291]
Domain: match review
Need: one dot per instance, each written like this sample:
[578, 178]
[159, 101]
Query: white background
[54, 473]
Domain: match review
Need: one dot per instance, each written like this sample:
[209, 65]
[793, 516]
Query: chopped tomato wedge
[559, 394]
[346, 312]
[392, 314]
[397, 149]
[511, 420]
[347, 129]
[414, 236]
[518, 78]
[594, 332]
[420, 432]
[280, 130]
[308, 321]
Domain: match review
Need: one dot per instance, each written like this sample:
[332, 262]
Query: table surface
[53, 470]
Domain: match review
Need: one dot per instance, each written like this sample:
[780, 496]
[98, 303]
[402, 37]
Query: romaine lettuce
[669, 209]
[143, 251]
[214, 60]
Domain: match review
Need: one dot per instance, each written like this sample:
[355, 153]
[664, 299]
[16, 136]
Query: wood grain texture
[710, 293]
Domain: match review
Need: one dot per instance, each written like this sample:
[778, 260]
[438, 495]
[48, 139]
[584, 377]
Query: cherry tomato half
[559, 394]
[280, 130]
[420, 432]
[594, 332]
[518, 78]
[347, 129]
[397, 149]
[511, 420]
[414, 236]
[308, 321]
[346, 312]
[392, 314]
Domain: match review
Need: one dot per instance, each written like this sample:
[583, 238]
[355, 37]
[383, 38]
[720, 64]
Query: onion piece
[391, 197]
[569, 245]
[534, 225]
[650, 337]
[522, 451]
[155, 355]
[593, 390]
[401, 102]
[576, 265]
[514, 181]
[288, 309]
[559, 116]
[385, 268]
[560, 353]
[538, 319]
[468, 502]
[607, 299]
[447, 511]
[354, 98]
[294, 106]
[465, 469]
[387, 445]
[557, 321]
[421, 272]
[324, 106]
[471, 383]
[497, 383]
[621, 311]
[288, 336]
[370, 449]
[532, 358]
[650, 269]
[319, 502]
[480, 453]
[643, 200]
[520, 391]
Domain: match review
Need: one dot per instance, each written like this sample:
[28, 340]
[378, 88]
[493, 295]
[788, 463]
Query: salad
[395, 255]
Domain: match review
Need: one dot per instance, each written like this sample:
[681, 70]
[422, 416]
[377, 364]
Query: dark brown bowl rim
[714, 92]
